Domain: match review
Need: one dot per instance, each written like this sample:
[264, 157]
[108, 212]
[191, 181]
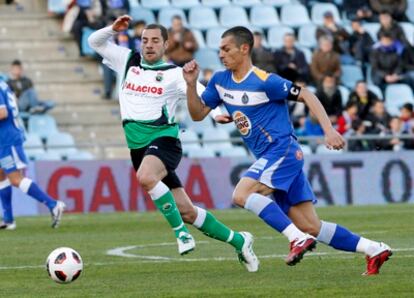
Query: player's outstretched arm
[333, 139]
[198, 110]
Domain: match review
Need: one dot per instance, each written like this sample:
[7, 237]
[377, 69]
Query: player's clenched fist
[121, 23]
[334, 140]
[191, 71]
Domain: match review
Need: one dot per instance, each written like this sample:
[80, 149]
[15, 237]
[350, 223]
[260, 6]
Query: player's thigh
[304, 216]
[151, 169]
[246, 187]
[3, 175]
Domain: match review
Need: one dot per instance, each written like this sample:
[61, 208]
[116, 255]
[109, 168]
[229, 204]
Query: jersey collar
[244, 78]
[160, 64]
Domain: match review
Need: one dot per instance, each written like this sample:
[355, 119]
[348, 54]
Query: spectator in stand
[114, 8]
[330, 97]
[395, 130]
[378, 118]
[262, 57]
[363, 98]
[339, 36]
[407, 117]
[182, 43]
[359, 130]
[348, 116]
[387, 63]
[396, 8]
[22, 86]
[325, 61]
[360, 44]
[83, 13]
[357, 9]
[408, 62]
[290, 61]
[137, 28]
[389, 25]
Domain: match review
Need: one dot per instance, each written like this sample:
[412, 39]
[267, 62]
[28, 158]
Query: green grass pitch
[154, 268]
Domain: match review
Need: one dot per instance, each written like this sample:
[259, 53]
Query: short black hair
[16, 62]
[164, 32]
[139, 23]
[241, 35]
[385, 34]
[177, 17]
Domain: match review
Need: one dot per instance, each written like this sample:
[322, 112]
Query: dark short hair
[350, 104]
[164, 32]
[139, 23]
[177, 17]
[16, 62]
[385, 34]
[241, 35]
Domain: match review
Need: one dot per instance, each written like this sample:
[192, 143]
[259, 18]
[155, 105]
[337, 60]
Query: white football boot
[247, 256]
[185, 243]
[57, 213]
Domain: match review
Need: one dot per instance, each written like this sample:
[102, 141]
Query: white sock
[201, 217]
[367, 246]
[25, 184]
[158, 191]
[292, 232]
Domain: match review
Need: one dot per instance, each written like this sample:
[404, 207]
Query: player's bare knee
[147, 180]
[239, 198]
[15, 181]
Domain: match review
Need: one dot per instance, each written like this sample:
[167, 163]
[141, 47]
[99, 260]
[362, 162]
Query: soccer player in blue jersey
[257, 102]
[13, 160]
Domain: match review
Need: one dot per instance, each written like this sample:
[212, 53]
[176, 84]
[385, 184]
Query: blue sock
[268, 210]
[338, 237]
[6, 201]
[33, 190]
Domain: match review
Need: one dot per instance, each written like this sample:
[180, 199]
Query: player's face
[153, 45]
[230, 54]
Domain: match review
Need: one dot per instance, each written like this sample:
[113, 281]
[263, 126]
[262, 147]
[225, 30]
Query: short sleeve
[210, 96]
[277, 88]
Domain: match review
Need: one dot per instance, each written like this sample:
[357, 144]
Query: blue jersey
[11, 132]
[257, 104]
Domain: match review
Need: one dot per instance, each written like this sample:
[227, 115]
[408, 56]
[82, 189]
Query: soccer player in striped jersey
[257, 102]
[148, 96]
[13, 160]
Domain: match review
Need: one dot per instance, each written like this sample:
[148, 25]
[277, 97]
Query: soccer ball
[64, 265]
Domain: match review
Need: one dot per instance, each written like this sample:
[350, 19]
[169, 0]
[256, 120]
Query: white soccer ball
[64, 265]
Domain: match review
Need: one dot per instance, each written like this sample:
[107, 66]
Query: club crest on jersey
[159, 77]
[135, 70]
[299, 154]
[245, 98]
[242, 122]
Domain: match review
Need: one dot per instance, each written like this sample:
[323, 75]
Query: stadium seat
[307, 52]
[408, 31]
[166, 14]
[42, 125]
[372, 29]
[208, 58]
[49, 155]
[231, 16]
[33, 146]
[56, 6]
[215, 3]
[155, 4]
[410, 10]
[185, 4]
[80, 155]
[133, 3]
[189, 140]
[235, 151]
[117, 153]
[276, 3]
[275, 35]
[395, 96]
[216, 139]
[318, 10]
[306, 149]
[294, 15]
[321, 149]
[263, 16]
[142, 14]
[201, 153]
[199, 38]
[202, 18]
[86, 49]
[376, 90]
[350, 75]
[344, 94]
[213, 37]
[61, 142]
[307, 36]
[246, 3]
[200, 126]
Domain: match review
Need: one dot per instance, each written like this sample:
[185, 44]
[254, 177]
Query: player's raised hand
[334, 140]
[121, 23]
[190, 72]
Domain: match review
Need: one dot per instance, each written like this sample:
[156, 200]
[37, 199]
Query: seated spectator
[408, 62]
[358, 9]
[113, 9]
[386, 62]
[363, 98]
[339, 36]
[207, 74]
[360, 43]
[312, 128]
[290, 61]
[358, 130]
[330, 97]
[28, 100]
[395, 130]
[262, 57]
[389, 25]
[348, 116]
[325, 61]
[396, 8]
[137, 28]
[407, 117]
[378, 118]
[182, 43]
[83, 13]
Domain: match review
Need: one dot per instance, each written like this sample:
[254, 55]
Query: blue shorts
[12, 158]
[280, 168]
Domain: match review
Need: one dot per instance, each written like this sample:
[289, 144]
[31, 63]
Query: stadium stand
[202, 18]
[232, 15]
[263, 16]
[165, 15]
[294, 15]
